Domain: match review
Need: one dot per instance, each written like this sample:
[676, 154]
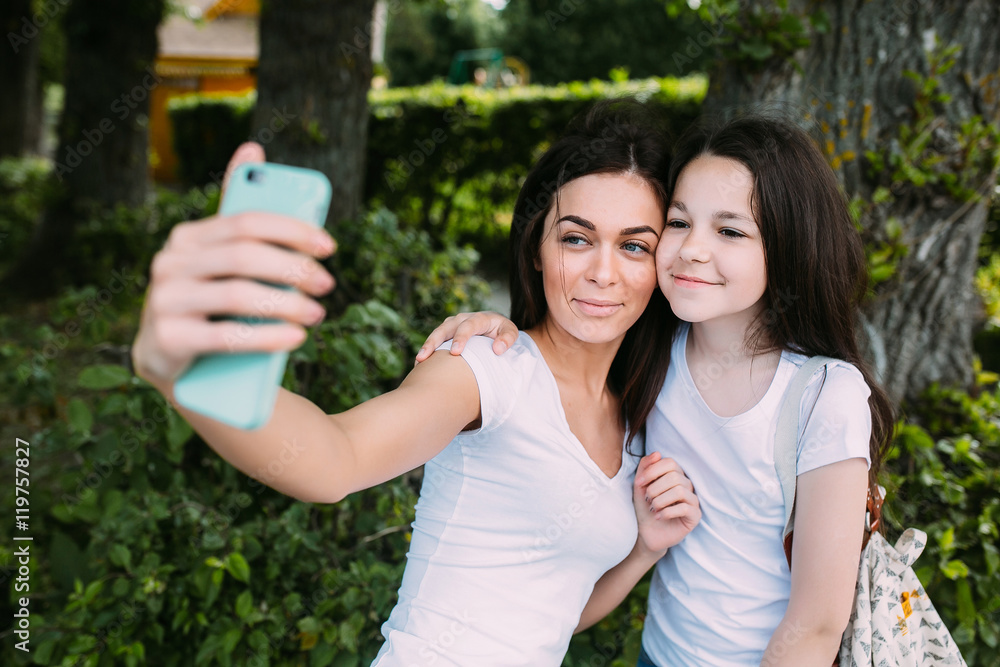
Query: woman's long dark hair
[613, 137]
[817, 273]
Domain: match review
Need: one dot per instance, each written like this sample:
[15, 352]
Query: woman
[528, 456]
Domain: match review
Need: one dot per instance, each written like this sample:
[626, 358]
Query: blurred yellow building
[210, 46]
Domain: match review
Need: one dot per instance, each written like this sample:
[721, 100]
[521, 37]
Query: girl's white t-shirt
[717, 597]
[514, 526]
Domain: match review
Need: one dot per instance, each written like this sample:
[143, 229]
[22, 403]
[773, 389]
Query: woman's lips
[597, 307]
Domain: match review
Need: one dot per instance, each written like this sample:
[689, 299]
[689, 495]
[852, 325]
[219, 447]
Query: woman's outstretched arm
[215, 267]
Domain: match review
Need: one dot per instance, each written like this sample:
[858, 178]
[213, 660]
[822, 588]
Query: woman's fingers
[244, 259]
[185, 337]
[249, 151]
[257, 226]
[233, 297]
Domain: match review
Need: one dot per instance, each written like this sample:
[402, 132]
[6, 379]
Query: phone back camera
[255, 176]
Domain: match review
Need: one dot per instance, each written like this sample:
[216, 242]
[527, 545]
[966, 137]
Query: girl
[761, 260]
[527, 456]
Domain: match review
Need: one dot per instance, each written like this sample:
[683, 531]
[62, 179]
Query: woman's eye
[635, 246]
[574, 240]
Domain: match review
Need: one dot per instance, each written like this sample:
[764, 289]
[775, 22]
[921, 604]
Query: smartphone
[240, 388]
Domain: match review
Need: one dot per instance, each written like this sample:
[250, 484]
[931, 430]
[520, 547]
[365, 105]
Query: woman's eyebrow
[583, 222]
[627, 231]
[644, 229]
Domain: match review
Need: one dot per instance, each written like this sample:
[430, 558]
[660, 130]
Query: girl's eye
[677, 224]
[732, 233]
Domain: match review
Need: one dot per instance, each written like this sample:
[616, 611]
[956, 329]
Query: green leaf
[966, 607]
[756, 49]
[237, 566]
[120, 555]
[955, 569]
[244, 604]
[80, 418]
[103, 376]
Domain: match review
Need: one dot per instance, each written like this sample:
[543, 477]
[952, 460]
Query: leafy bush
[23, 192]
[943, 479]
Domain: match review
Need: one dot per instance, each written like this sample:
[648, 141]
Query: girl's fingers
[677, 494]
[666, 482]
[244, 259]
[247, 298]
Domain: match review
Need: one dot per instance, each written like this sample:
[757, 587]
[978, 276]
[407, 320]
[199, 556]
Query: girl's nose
[694, 248]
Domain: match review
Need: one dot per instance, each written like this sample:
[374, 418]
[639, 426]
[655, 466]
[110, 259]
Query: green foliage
[943, 477]
[932, 155]
[567, 40]
[23, 193]
[757, 37]
[422, 37]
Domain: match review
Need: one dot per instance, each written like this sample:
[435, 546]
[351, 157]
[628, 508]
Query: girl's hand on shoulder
[211, 267]
[460, 328]
[666, 505]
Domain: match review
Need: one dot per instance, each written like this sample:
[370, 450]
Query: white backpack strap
[786, 435]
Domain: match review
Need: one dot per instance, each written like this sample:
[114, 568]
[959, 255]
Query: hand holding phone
[214, 298]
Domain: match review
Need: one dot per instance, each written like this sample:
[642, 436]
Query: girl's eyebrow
[627, 231]
[718, 215]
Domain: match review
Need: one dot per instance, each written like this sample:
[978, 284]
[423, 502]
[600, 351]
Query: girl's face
[596, 255]
[710, 259]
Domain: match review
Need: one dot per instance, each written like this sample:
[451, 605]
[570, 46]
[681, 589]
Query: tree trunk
[101, 160]
[19, 78]
[849, 86]
[313, 79]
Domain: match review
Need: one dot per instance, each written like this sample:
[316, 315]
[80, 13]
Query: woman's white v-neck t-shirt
[514, 526]
[718, 595]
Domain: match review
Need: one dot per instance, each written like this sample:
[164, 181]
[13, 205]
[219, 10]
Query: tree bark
[313, 79]
[101, 160]
[849, 86]
[19, 78]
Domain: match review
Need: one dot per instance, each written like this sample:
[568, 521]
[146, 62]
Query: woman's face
[711, 257]
[596, 255]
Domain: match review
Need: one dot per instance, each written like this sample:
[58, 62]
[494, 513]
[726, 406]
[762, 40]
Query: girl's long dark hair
[613, 137]
[817, 273]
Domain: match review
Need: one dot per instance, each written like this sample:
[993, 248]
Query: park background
[149, 549]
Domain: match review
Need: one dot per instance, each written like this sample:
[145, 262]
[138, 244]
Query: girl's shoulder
[837, 375]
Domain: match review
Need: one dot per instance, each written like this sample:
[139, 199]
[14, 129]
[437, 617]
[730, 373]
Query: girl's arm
[316, 457]
[829, 527]
[666, 509]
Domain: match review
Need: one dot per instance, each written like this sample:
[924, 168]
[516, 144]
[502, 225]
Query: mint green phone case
[240, 389]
